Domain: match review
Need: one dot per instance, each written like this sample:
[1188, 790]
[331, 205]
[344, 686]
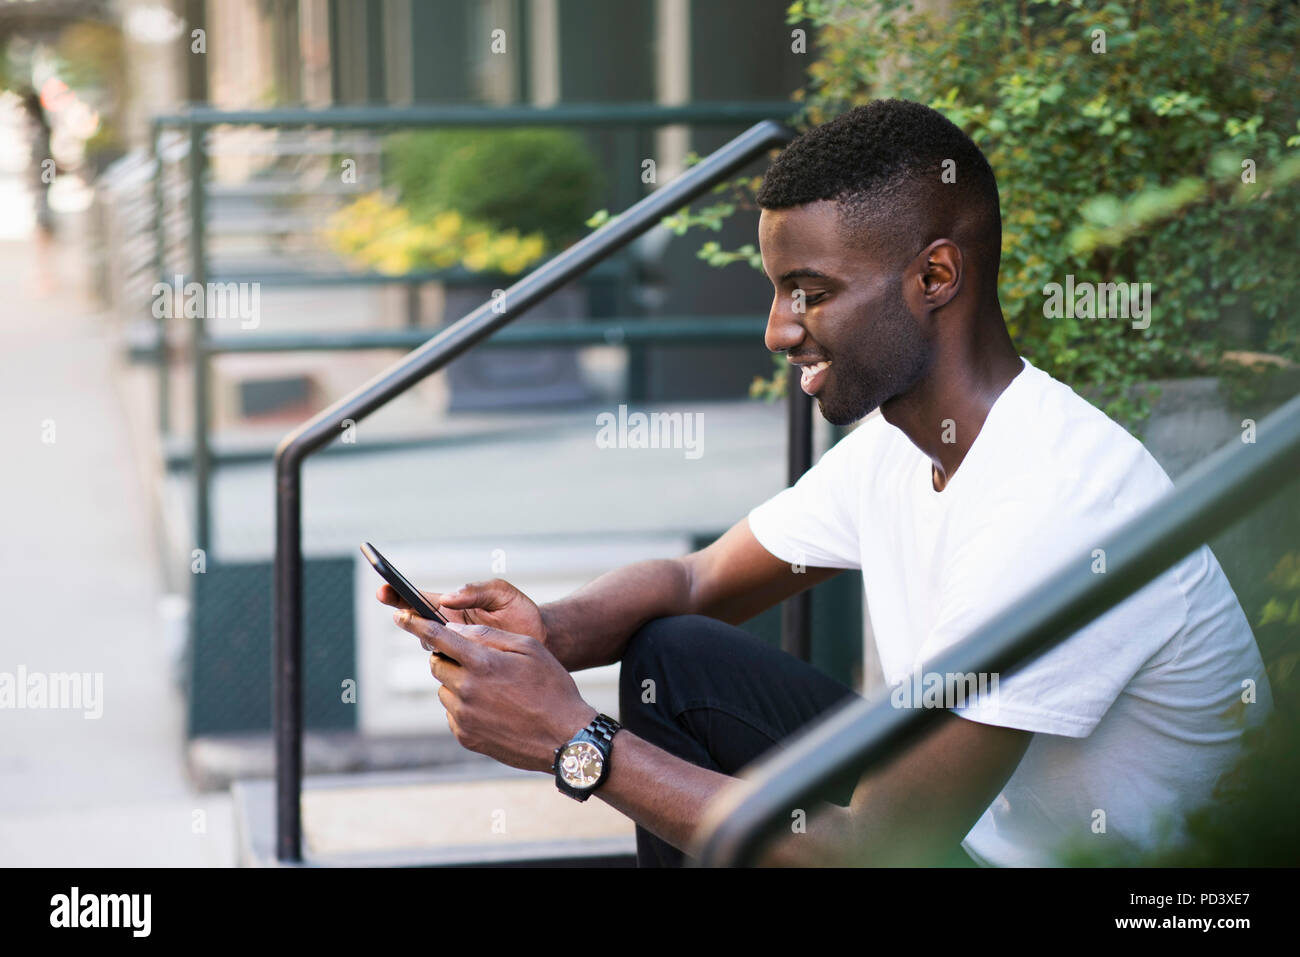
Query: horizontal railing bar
[456, 276]
[288, 187]
[179, 453]
[668, 330]
[562, 269]
[741, 819]
[569, 114]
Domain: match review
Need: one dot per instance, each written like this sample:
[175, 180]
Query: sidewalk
[80, 592]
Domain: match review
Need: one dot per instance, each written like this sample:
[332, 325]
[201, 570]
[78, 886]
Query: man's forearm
[658, 790]
[591, 627]
[733, 579]
[667, 796]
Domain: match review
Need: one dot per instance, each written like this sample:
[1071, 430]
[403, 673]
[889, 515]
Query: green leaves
[532, 179]
[1122, 165]
[710, 217]
[715, 255]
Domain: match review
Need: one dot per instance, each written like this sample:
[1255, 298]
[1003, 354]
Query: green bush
[1115, 166]
[531, 180]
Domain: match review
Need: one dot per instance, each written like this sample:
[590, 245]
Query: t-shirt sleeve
[1067, 690]
[814, 521]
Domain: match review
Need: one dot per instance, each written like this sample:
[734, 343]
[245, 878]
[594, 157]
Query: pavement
[80, 590]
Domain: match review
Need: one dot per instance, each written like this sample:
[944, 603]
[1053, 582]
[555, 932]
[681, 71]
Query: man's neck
[944, 413]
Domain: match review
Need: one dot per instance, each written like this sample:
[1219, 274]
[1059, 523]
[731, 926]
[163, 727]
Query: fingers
[388, 596]
[434, 637]
[443, 669]
[494, 637]
[448, 700]
[489, 595]
[464, 643]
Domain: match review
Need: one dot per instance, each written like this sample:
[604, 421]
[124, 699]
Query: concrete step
[453, 817]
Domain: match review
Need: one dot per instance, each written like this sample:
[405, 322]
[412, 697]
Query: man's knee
[651, 653]
[657, 636]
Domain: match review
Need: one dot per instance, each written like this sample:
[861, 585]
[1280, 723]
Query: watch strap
[602, 730]
[600, 733]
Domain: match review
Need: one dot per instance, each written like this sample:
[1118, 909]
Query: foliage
[486, 200]
[770, 390]
[374, 231]
[532, 180]
[1117, 166]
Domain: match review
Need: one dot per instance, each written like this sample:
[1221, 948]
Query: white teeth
[810, 372]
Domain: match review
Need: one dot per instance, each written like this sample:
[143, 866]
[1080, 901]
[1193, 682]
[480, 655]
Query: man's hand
[496, 603]
[506, 695]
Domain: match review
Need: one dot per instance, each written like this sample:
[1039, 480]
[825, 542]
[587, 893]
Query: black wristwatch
[582, 765]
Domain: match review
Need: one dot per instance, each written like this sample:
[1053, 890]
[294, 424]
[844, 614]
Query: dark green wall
[230, 667]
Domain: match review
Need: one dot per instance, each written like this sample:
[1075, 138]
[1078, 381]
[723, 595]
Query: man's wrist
[568, 727]
[553, 633]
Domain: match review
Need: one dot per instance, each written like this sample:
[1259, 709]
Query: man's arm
[507, 696]
[914, 810]
[732, 579]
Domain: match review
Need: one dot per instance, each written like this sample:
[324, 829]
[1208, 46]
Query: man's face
[853, 315]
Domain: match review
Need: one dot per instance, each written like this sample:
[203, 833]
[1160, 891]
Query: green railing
[625, 120]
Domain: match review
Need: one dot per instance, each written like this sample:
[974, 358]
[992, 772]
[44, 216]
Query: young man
[881, 234]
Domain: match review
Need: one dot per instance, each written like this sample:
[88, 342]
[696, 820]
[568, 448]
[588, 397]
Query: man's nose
[784, 331]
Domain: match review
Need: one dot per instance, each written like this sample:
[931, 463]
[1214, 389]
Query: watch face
[581, 764]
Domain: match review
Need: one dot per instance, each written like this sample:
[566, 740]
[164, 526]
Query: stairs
[453, 817]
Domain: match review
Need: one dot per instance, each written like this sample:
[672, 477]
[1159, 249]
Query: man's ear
[940, 273]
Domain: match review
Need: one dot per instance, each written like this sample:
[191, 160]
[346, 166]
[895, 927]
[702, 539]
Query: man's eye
[814, 298]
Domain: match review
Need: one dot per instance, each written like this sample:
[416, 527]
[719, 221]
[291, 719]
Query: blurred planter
[1193, 418]
[530, 376]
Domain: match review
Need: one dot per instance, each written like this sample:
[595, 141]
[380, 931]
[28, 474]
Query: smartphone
[405, 590]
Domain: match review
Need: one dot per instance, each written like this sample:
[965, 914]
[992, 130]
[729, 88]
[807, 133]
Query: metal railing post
[286, 653]
[160, 263]
[627, 190]
[199, 340]
[412, 304]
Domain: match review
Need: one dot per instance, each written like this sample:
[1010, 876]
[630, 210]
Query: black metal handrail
[324, 427]
[739, 822]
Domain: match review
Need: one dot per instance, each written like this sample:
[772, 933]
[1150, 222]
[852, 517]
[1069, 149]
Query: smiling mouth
[812, 376]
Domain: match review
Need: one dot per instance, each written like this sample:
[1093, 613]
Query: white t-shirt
[1138, 713]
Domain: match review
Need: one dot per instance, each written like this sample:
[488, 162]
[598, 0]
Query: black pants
[719, 698]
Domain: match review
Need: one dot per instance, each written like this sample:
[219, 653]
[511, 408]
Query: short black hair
[884, 164]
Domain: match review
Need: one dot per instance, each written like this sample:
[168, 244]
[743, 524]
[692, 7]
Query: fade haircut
[883, 163]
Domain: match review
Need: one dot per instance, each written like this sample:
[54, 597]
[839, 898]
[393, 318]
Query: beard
[885, 358]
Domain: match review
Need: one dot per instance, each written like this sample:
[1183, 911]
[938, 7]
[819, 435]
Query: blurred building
[263, 53]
